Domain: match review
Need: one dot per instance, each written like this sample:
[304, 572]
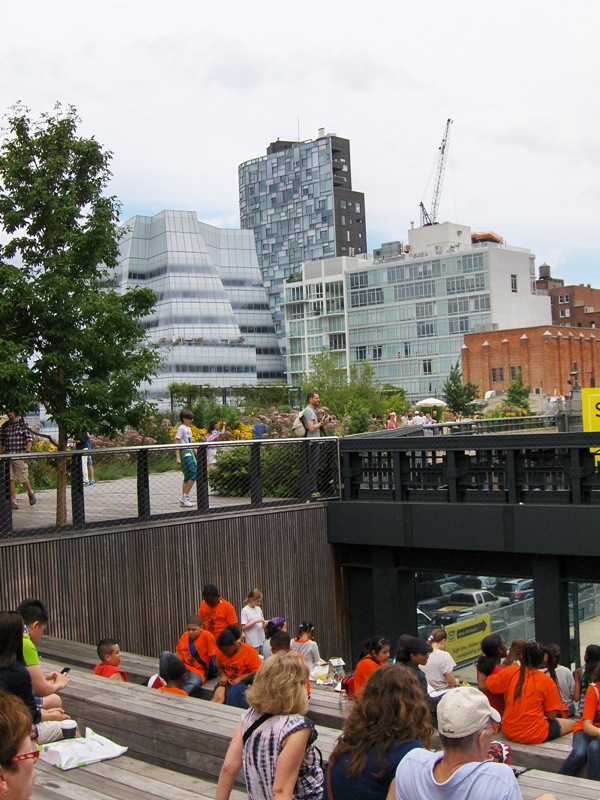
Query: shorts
[188, 467]
[554, 730]
[19, 471]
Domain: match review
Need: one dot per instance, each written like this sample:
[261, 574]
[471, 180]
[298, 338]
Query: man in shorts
[16, 437]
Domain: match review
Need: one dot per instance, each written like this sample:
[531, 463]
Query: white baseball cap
[463, 711]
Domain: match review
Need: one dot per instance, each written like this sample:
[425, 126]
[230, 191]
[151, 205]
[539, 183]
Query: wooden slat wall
[140, 584]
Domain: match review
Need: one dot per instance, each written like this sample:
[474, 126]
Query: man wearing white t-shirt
[461, 771]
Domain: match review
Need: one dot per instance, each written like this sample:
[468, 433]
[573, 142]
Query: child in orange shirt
[109, 654]
[531, 699]
[237, 663]
[216, 613]
[175, 677]
[586, 736]
[197, 650]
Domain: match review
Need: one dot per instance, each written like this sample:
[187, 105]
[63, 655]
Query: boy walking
[186, 458]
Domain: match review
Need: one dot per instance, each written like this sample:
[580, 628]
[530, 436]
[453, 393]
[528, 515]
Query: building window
[494, 375]
[567, 312]
[357, 208]
[343, 204]
[361, 353]
[513, 283]
[337, 341]
[427, 370]
[377, 352]
[514, 371]
[501, 374]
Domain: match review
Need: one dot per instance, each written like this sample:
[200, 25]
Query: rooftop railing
[135, 484]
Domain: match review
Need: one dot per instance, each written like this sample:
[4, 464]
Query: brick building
[574, 306]
[546, 356]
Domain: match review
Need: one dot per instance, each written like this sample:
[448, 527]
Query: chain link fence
[133, 484]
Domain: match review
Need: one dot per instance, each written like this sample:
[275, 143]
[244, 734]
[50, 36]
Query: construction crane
[431, 219]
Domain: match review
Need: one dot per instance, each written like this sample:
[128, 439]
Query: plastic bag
[71, 753]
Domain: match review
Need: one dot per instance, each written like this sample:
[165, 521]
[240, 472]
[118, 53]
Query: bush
[280, 472]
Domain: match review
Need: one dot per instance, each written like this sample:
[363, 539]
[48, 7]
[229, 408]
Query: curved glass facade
[212, 317]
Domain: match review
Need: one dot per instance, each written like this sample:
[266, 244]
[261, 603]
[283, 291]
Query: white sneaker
[185, 501]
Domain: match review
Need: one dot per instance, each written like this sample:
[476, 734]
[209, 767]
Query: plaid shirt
[14, 438]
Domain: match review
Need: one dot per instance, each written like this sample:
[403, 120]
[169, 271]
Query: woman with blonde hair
[18, 750]
[390, 719]
[274, 742]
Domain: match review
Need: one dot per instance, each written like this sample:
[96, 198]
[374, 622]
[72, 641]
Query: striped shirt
[263, 748]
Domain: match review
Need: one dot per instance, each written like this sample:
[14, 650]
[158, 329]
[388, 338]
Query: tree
[459, 396]
[354, 399]
[517, 394]
[68, 340]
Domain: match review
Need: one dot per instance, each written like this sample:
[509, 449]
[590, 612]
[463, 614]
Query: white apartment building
[407, 308]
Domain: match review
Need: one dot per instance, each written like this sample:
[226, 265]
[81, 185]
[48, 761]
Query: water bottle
[344, 703]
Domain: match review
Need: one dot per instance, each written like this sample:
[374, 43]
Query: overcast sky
[182, 92]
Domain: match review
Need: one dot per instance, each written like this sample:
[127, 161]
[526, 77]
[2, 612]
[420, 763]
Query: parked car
[516, 589]
[478, 582]
[435, 589]
[468, 603]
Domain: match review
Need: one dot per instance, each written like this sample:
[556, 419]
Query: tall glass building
[212, 318]
[406, 309]
[299, 202]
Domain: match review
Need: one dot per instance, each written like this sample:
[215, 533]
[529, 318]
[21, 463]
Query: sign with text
[590, 407]
[464, 637]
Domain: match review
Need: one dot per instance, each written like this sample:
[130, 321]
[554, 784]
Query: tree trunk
[61, 478]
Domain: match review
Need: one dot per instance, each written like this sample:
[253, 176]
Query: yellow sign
[464, 638]
[590, 407]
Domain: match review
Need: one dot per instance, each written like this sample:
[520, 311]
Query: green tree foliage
[68, 340]
[355, 399]
[517, 394]
[459, 396]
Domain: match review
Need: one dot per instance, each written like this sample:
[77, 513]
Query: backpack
[348, 684]
[299, 427]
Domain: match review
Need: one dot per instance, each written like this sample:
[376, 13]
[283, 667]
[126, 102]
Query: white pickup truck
[467, 603]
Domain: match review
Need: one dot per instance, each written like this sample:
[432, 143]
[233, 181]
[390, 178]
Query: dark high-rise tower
[298, 200]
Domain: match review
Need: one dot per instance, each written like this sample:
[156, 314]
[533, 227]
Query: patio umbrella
[429, 402]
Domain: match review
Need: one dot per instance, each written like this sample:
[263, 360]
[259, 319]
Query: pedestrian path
[114, 500]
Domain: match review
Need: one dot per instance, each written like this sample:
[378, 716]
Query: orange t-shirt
[524, 719]
[205, 647]
[244, 662]
[591, 709]
[107, 671]
[173, 690]
[218, 618]
[364, 669]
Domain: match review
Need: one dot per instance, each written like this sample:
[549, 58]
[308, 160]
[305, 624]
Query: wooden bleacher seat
[122, 778]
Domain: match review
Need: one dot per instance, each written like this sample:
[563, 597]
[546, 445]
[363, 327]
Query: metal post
[6, 524]
[202, 480]
[255, 476]
[143, 484]
[77, 498]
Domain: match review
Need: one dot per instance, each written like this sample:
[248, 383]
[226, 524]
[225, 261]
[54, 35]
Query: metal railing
[554, 468]
[145, 483]
[470, 427]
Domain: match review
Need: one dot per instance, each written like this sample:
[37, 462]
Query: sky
[183, 92]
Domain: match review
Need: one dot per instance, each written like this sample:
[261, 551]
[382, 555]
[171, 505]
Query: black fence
[141, 484]
[537, 468]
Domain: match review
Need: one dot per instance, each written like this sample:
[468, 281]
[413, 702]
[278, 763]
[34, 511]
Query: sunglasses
[35, 754]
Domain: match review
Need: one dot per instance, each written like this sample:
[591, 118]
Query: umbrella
[430, 401]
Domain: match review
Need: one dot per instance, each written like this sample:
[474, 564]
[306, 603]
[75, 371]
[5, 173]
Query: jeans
[193, 681]
[585, 748]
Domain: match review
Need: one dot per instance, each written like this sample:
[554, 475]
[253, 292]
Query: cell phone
[65, 670]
